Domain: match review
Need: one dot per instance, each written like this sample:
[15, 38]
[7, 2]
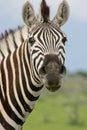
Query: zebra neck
[30, 66]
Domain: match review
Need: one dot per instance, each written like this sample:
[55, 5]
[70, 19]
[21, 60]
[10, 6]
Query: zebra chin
[52, 83]
[53, 88]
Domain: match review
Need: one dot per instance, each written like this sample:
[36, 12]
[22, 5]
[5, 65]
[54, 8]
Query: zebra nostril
[42, 70]
[63, 70]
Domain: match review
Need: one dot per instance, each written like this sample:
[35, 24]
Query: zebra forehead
[40, 27]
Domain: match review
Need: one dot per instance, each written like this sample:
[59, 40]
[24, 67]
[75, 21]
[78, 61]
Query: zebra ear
[28, 14]
[62, 14]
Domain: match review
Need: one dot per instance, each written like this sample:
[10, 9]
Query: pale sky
[75, 28]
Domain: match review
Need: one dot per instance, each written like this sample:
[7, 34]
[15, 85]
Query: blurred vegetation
[82, 73]
[65, 109]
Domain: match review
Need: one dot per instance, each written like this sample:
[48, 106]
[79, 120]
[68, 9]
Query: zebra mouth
[53, 88]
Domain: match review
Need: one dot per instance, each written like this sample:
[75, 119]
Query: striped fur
[21, 81]
[18, 91]
[20, 84]
[50, 40]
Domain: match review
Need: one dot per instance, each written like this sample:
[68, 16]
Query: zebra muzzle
[51, 75]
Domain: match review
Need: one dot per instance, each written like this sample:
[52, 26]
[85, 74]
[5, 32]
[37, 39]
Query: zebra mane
[45, 11]
[10, 31]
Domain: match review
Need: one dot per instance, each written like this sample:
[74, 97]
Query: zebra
[11, 40]
[37, 63]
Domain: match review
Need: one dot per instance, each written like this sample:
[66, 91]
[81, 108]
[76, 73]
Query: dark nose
[51, 72]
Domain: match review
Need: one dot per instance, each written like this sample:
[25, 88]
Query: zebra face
[47, 42]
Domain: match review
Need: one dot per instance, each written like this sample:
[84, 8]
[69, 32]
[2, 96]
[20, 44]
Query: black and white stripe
[21, 80]
[48, 39]
[19, 88]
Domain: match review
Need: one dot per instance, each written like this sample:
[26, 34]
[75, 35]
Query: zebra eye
[64, 39]
[31, 40]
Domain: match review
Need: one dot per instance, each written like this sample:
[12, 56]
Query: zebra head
[47, 42]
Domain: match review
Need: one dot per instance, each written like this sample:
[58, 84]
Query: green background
[64, 110]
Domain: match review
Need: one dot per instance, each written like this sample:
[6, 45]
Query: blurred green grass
[56, 111]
